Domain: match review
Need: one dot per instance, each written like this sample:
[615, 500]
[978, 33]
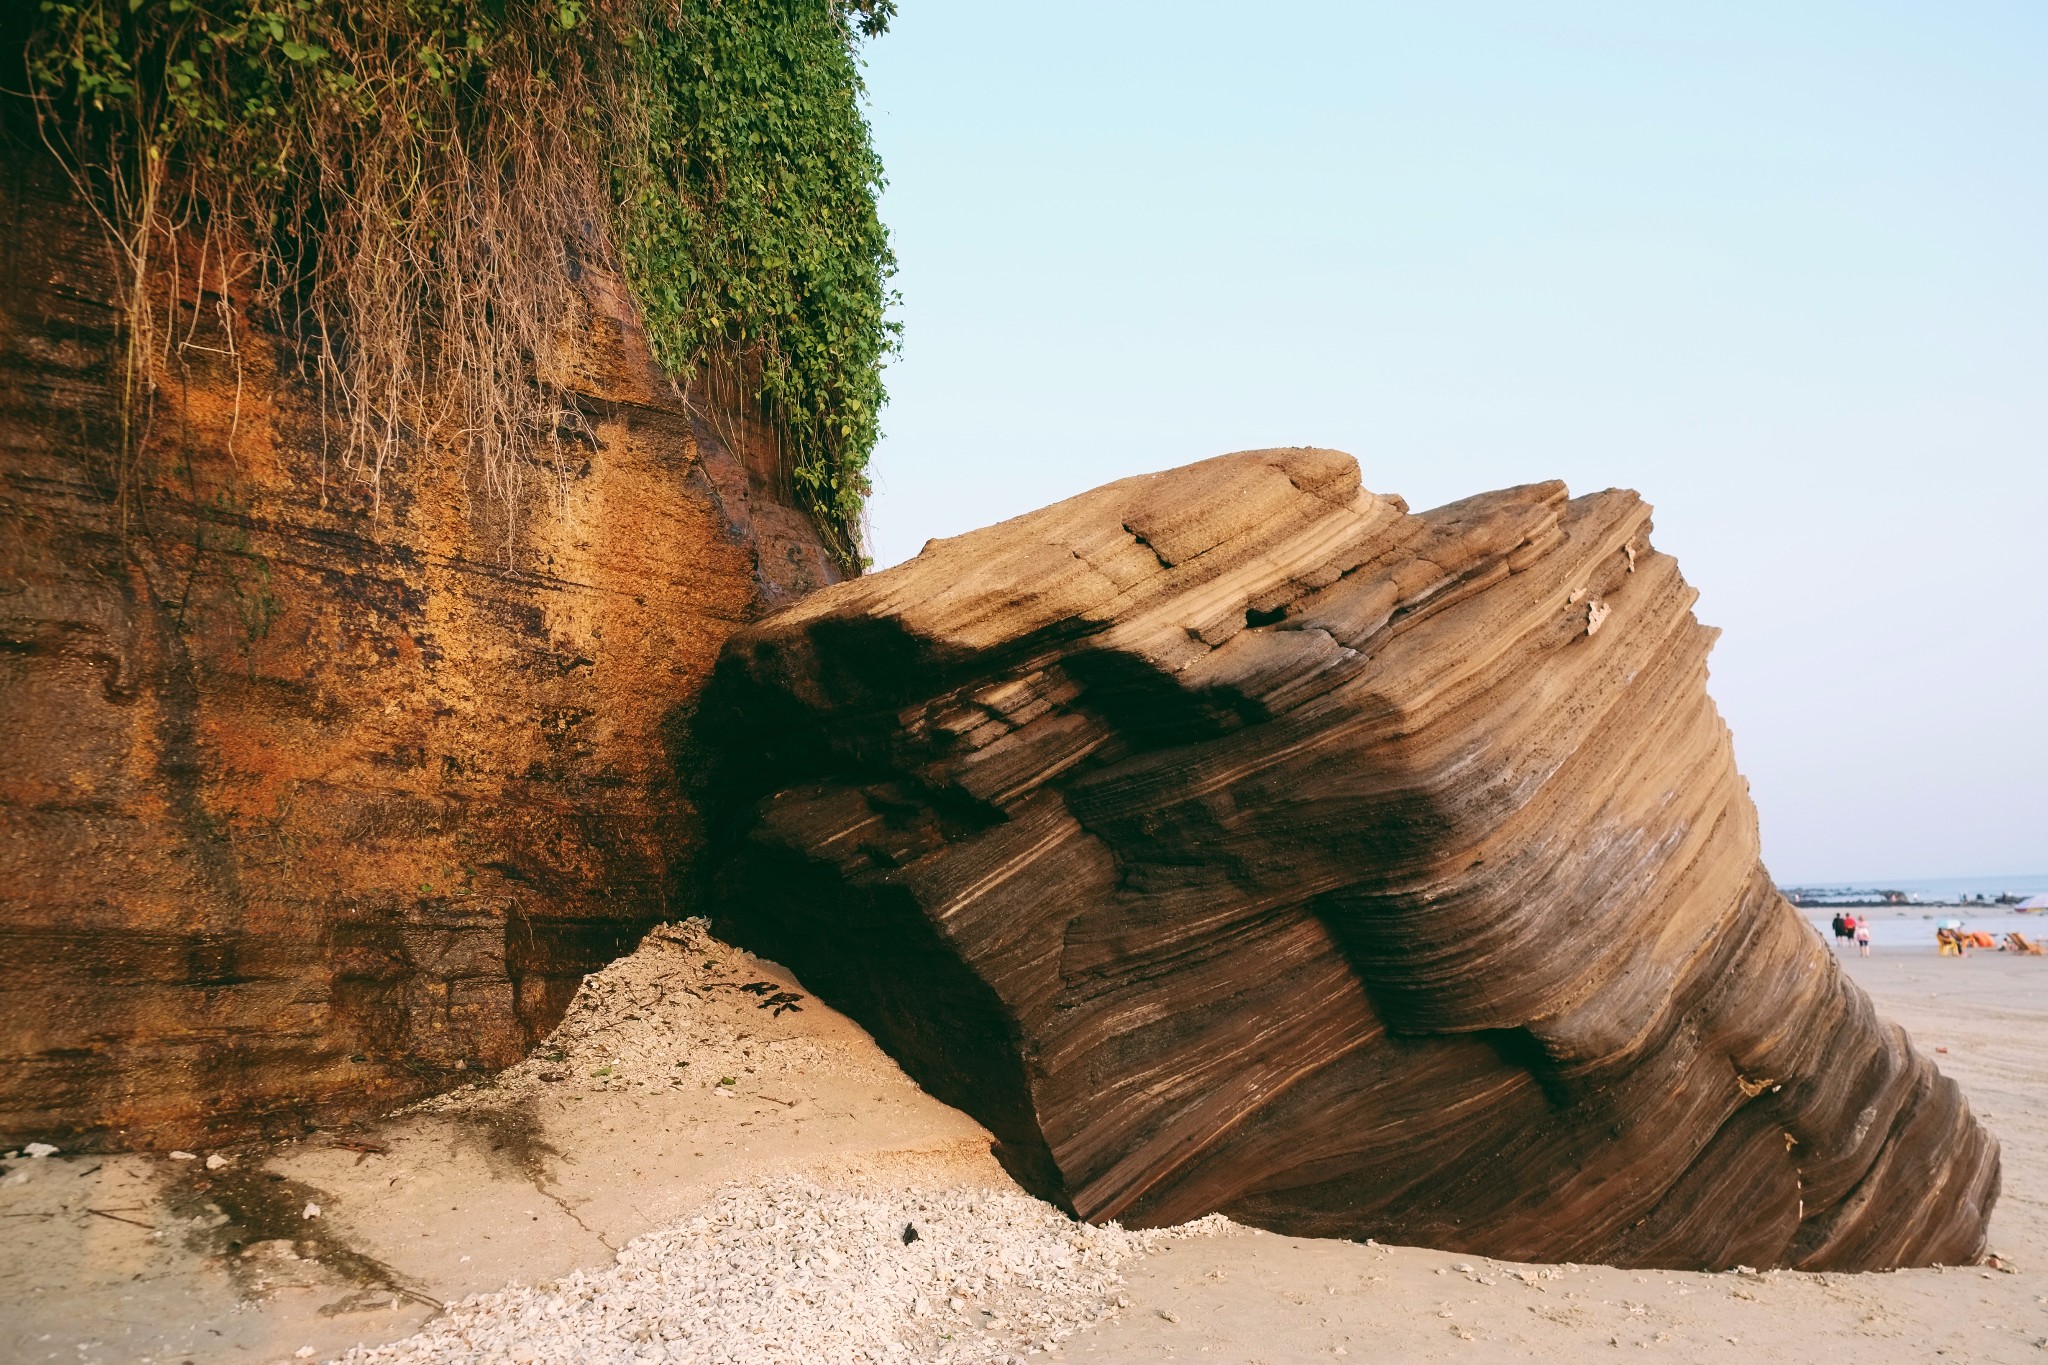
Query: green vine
[748, 219]
[408, 187]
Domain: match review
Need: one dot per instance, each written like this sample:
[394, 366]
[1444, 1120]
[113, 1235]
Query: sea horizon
[1929, 889]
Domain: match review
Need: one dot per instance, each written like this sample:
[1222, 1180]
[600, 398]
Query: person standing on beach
[1863, 938]
[1841, 929]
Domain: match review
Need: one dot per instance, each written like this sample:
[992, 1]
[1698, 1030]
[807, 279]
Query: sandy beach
[1281, 629]
[1911, 927]
[774, 1165]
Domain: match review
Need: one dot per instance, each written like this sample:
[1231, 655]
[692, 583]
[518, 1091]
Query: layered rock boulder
[1233, 839]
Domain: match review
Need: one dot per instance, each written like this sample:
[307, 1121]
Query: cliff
[313, 802]
[1231, 839]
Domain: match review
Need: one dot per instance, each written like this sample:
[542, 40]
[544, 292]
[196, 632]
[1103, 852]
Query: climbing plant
[410, 188]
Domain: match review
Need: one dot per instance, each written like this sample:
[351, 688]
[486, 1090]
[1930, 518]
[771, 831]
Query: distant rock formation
[1231, 839]
[310, 805]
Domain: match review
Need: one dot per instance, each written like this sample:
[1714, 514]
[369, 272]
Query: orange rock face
[1232, 839]
[308, 805]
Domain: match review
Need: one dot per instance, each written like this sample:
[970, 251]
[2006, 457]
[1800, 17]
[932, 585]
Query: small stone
[182, 1156]
[36, 1151]
[214, 1161]
[1170, 1317]
[312, 1211]
[304, 1353]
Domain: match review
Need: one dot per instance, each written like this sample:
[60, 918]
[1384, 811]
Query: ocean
[1934, 891]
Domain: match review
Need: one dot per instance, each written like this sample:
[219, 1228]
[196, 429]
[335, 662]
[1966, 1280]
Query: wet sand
[1912, 927]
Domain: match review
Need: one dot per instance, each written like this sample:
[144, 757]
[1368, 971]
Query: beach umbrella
[2033, 903]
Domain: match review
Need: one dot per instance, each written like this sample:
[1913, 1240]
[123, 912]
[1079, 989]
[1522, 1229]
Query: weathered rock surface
[308, 805]
[1229, 839]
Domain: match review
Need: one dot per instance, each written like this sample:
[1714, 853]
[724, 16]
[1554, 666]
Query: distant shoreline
[1992, 894]
[1996, 906]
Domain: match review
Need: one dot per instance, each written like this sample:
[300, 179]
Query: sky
[1783, 269]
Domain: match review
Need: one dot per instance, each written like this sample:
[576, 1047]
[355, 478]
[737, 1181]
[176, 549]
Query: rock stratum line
[1232, 840]
[314, 798]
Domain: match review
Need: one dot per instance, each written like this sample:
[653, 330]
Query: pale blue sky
[1783, 268]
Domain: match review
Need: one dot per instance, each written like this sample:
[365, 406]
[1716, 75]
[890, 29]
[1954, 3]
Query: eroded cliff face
[1231, 839]
[310, 804]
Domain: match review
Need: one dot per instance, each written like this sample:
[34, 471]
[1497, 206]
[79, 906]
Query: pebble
[36, 1151]
[784, 1270]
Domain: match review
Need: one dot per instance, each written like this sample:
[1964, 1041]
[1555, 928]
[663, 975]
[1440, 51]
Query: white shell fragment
[788, 1271]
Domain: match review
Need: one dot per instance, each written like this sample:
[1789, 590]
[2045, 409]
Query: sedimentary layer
[317, 795]
[1232, 839]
